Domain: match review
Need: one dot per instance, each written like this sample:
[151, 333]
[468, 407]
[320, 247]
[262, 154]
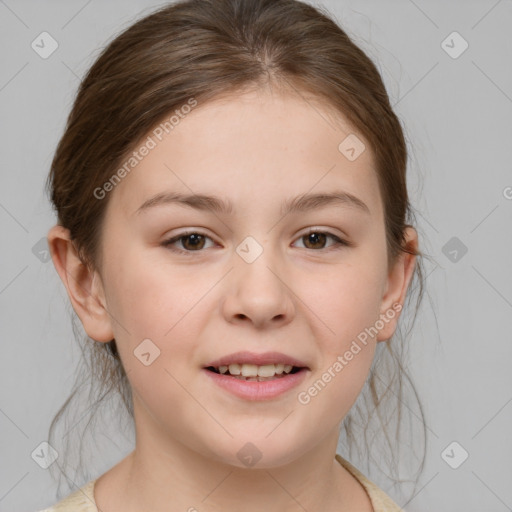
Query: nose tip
[256, 292]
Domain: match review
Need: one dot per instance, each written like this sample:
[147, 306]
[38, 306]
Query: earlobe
[398, 282]
[83, 285]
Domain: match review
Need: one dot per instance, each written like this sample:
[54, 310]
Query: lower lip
[254, 390]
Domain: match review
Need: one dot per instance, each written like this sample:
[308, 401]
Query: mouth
[257, 376]
[255, 373]
[257, 382]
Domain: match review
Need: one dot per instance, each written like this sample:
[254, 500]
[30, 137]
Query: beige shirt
[82, 500]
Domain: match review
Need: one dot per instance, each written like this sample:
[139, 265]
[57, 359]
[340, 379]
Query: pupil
[313, 237]
[193, 236]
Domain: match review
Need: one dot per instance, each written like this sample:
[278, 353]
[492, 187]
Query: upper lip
[264, 358]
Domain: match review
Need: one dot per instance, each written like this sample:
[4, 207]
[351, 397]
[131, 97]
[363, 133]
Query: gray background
[457, 113]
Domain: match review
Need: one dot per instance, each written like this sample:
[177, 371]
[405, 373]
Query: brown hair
[203, 49]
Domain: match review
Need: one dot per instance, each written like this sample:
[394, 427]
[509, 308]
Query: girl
[232, 209]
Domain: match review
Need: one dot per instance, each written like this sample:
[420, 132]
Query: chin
[258, 453]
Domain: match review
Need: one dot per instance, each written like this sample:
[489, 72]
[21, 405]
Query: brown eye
[316, 240]
[191, 242]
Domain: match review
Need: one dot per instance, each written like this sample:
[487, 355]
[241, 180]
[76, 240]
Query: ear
[84, 286]
[397, 284]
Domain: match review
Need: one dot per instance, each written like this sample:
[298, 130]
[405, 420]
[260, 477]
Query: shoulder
[381, 502]
[81, 500]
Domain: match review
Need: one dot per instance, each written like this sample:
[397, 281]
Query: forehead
[256, 146]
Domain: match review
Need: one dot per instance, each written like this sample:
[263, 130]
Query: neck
[160, 472]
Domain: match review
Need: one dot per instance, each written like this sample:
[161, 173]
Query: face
[198, 283]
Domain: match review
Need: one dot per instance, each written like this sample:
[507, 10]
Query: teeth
[252, 370]
[234, 369]
[279, 368]
[249, 370]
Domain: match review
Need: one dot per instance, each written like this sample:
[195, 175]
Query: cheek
[148, 295]
[162, 305]
[152, 301]
[346, 357]
[347, 303]
[336, 389]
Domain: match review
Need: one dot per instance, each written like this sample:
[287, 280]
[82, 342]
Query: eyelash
[340, 243]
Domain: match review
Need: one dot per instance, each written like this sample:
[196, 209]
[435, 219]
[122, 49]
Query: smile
[253, 372]
[254, 387]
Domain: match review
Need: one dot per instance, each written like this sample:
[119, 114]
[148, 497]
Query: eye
[192, 241]
[315, 238]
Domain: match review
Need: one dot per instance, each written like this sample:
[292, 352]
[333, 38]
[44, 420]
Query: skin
[307, 300]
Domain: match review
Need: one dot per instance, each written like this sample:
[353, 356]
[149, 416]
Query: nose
[258, 292]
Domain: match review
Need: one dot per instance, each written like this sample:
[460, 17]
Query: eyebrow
[302, 203]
